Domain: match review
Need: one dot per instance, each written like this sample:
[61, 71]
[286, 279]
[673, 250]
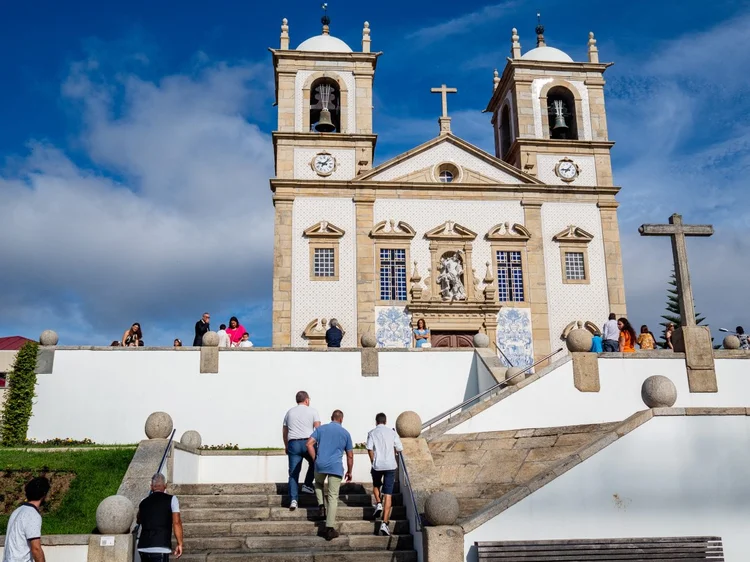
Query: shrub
[20, 396]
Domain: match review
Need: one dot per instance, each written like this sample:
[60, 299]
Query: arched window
[504, 131]
[325, 95]
[561, 109]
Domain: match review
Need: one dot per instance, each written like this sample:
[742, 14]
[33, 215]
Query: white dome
[324, 44]
[548, 54]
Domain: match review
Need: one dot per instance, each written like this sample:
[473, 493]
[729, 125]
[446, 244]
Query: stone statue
[451, 271]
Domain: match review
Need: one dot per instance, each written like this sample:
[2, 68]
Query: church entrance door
[452, 339]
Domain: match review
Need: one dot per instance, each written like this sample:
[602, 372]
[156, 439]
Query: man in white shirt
[611, 335]
[23, 539]
[299, 423]
[382, 444]
[223, 336]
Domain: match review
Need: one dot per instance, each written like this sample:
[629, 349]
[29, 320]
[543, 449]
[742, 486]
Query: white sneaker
[293, 505]
[385, 530]
[378, 510]
[307, 489]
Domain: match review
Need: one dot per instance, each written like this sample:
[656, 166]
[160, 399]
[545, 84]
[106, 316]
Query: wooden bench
[675, 549]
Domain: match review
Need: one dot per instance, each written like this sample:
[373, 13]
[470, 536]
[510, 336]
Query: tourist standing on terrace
[627, 336]
[235, 331]
[332, 441]
[382, 444]
[201, 327]
[133, 337]
[334, 334]
[23, 539]
[157, 515]
[299, 423]
[610, 335]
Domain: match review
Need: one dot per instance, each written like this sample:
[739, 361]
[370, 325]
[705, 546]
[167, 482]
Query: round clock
[323, 164]
[567, 170]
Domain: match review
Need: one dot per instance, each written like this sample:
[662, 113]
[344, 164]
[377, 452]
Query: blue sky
[135, 144]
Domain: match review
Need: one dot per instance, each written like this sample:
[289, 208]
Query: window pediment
[573, 234]
[324, 230]
[392, 230]
[507, 232]
[450, 230]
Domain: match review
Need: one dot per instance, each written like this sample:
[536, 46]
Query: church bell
[559, 123]
[324, 124]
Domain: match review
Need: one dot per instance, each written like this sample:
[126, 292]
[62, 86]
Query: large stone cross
[444, 90]
[678, 231]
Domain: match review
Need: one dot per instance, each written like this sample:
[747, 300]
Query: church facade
[515, 245]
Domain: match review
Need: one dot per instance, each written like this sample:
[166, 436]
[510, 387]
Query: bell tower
[324, 100]
[548, 114]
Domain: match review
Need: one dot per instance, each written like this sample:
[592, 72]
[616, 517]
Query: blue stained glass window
[392, 274]
[509, 276]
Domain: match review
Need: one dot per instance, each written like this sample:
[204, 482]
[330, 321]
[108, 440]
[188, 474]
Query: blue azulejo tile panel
[392, 326]
[514, 336]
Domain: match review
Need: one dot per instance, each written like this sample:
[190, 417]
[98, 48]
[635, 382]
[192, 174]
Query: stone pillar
[285, 101]
[110, 548]
[613, 256]
[695, 342]
[443, 544]
[363, 100]
[282, 271]
[537, 279]
[364, 207]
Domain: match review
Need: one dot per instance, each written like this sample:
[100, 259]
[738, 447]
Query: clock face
[567, 170]
[324, 164]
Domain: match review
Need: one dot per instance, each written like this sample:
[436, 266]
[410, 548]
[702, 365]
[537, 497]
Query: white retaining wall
[107, 394]
[673, 476]
[554, 401]
[61, 553]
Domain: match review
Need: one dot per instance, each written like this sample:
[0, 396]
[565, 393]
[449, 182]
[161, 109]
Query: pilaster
[613, 256]
[282, 271]
[364, 204]
[537, 280]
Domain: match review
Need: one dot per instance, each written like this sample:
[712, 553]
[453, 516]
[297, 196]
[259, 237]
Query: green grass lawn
[98, 475]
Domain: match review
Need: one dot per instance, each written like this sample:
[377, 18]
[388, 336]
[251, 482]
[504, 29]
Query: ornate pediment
[450, 230]
[393, 230]
[324, 229]
[573, 234]
[505, 231]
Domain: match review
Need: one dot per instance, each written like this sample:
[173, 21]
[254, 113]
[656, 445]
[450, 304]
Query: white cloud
[176, 219]
[462, 24]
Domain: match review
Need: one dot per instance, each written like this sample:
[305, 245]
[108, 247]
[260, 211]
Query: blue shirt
[596, 344]
[332, 440]
[334, 337]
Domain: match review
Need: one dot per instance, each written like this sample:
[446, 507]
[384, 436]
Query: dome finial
[366, 37]
[539, 31]
[284, 34]
[515, 45]
[593, 50]
[325, 20]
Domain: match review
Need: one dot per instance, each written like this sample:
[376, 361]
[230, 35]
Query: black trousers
[154, 556]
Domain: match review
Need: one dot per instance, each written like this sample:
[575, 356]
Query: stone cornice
[316, 56]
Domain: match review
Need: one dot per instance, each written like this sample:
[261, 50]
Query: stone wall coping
[650, 354]
[251, 349]
[59, 540]
[732, 353]
[242, 452]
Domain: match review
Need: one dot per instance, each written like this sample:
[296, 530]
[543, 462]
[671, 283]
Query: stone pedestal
[695, 342]
[586, 371]
[110, 548]
[209, 359]
[369, 361]
[443, 544]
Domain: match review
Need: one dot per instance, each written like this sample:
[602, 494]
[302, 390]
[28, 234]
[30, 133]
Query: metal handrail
[417, 516]
[448, 412]
[166, 450]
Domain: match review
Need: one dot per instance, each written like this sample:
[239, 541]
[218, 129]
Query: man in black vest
[157, 515]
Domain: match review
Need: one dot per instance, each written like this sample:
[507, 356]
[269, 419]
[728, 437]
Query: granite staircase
[252, 522]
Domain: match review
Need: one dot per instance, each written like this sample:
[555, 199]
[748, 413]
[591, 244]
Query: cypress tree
[673, 309]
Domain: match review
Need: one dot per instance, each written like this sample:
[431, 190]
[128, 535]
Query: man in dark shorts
[382, 444]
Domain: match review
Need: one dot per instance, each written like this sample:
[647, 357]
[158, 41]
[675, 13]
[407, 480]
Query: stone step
[279, 488]
[207, 515]
[311, 556]
[296, 543]
[293, 528]
[266, 500]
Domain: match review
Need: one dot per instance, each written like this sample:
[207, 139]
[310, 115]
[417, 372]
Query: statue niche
[451, 276]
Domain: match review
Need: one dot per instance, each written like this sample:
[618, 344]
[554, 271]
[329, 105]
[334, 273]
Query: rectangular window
[324, 262]
[509, 276]
[575, 269]
[392, 274]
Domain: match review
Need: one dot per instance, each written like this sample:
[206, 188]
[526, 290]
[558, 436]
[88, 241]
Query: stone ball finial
[368, 340]
[658, 392]
[114, 516]
[192, 439]
[441, 508]
[159, 425]
[731, 342]
[481, 340]
[409, 424]
[511, 376]
[48, 337]
[579, 340]
[211, 339]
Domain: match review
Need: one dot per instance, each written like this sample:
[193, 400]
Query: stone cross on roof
[678, 231]
[444, 120]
